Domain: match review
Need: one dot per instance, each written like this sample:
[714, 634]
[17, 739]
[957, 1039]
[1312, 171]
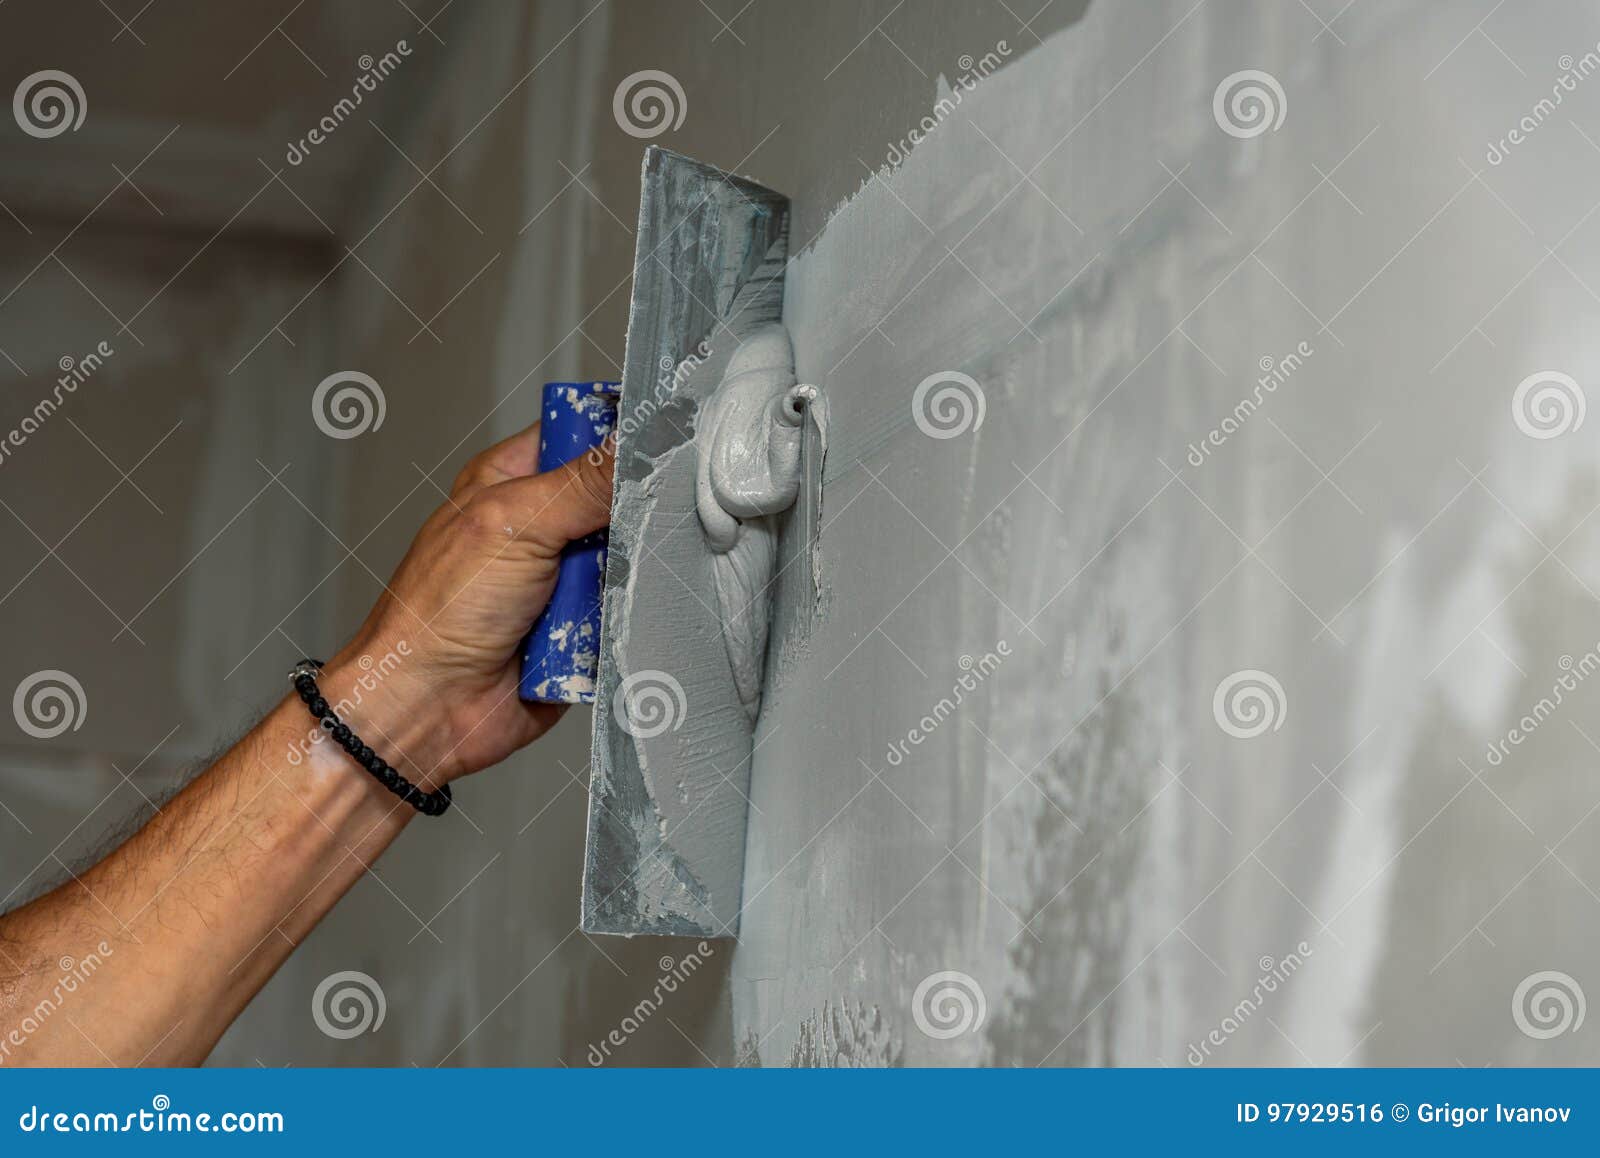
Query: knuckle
[489, 516]
[592, 487]
[474, 473]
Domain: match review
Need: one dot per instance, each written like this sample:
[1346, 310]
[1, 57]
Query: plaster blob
[749, 441]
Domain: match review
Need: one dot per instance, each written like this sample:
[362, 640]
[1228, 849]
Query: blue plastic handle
[561, 655]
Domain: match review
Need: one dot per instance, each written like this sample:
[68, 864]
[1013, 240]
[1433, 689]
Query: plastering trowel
[714, 440]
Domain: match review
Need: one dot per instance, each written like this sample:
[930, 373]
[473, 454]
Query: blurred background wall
[1085, 841]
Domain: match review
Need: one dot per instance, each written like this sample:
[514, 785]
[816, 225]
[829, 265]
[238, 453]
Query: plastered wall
[1015, 749]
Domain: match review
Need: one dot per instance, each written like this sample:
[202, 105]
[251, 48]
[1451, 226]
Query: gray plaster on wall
[1077, 835]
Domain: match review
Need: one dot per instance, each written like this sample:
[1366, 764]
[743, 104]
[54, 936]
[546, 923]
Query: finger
[551, 509]
[514, 457]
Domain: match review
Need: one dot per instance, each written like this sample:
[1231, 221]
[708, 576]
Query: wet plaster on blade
[711, 729]
[696, 813]
[750, 437]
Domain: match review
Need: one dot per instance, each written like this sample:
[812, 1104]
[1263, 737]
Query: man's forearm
[199, 908]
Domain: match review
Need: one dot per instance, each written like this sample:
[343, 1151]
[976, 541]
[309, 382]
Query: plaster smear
[750, 435]
[1080, 838]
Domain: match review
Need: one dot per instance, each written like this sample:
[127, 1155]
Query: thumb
[550, 510]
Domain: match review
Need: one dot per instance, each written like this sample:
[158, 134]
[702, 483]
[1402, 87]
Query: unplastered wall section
[147, 548]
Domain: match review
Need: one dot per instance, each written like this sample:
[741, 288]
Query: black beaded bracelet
[304, 678]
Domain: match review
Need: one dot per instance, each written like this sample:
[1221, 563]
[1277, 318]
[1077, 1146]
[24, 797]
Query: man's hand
[193, 914]
[477, 575]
